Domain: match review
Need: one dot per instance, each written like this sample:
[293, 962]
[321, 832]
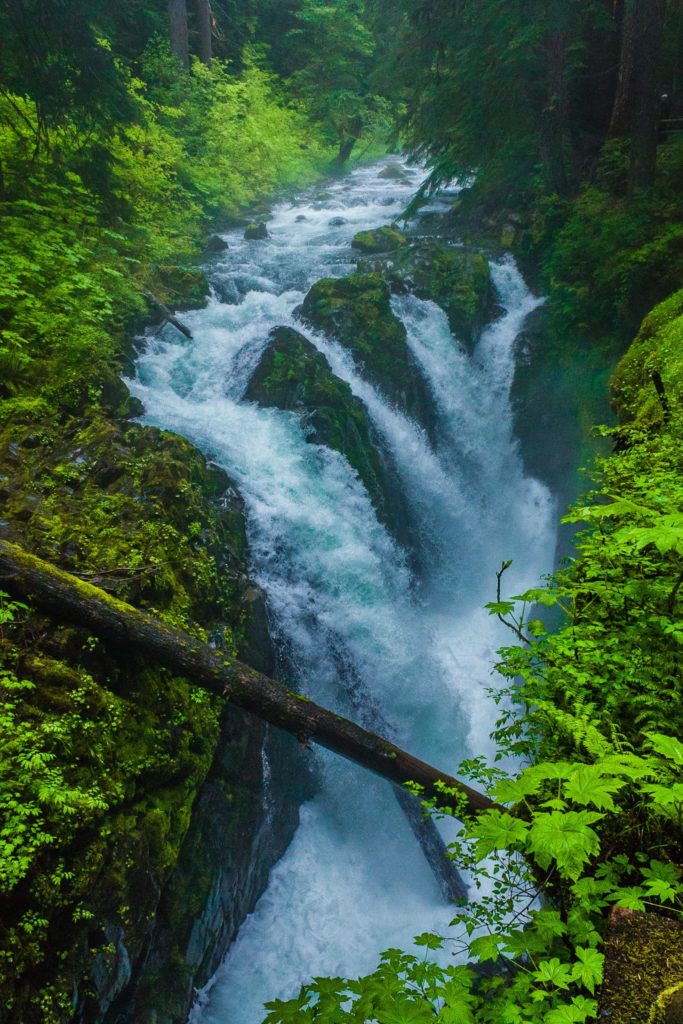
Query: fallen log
[168, 315]
[67, 597]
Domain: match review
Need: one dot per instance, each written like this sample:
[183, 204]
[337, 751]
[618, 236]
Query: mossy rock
[181, 287]
[379, 240]
[356, 311]
[216, 244]
[256, 232]
[643, 969]
[654, 359]
[668, 1008]
[457, 280]
[293, 375]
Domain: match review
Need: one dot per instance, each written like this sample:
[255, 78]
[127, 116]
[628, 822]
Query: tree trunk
[553, 133]
[177, 24]
[622, 109]
[635, 114]
[204, 30]
[168, 315]
[67, 597]
[646, 111]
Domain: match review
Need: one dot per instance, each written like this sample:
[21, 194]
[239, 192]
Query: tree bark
[553, 130]
[204, 30]
[177, 24]
[168, 315]
[635, 113]
[646, 111]
[67, 597]
[622, 109]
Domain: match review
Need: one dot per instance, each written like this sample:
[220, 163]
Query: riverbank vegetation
[126, 132]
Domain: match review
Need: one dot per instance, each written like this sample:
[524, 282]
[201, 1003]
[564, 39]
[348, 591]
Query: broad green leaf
[588, 968]
[577, 1011]
[553, 972]
[589, 786]
[566, 838]
[668, 746]
[631, 897]
[405, 1011]
[514, 790]
[486, 947]
[497, 830]
[429, 940]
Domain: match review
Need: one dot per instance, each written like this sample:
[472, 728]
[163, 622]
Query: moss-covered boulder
[257, 232]
[643, 975]
[379, 240]
[458, 280]
[293, 375]
[356, 311]
[647, 385]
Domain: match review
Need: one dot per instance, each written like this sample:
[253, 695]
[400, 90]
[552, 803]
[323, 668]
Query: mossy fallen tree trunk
[168, 315]
[67, 597]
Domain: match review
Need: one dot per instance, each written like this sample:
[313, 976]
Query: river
[342, 597]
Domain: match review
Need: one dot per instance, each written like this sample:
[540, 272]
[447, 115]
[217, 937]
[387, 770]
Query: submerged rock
[293, 375]
[393, 171]
[356, 311]
[379, 240]
[256, 232]
[337, 222]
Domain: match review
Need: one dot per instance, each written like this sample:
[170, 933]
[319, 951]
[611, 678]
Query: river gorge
[374, 615]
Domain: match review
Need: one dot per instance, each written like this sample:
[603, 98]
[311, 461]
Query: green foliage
[84, 772]
[77, 252]
[616, 256]
[331, 50]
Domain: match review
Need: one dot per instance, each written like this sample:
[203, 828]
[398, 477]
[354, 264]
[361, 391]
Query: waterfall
[340, 592]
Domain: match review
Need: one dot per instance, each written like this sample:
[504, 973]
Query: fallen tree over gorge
[67, 597]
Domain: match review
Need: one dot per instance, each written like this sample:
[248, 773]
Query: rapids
[341, 596]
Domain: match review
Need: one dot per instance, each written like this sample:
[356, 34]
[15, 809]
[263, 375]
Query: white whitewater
[354, 881]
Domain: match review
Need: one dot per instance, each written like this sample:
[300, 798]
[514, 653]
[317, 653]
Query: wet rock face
[242, 822]
[293, 375]
[356, 311]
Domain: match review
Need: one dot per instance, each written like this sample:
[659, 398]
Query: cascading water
[354, 881]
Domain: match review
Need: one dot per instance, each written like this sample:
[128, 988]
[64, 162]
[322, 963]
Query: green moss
[384, 239]
[293, 375]
[117, 749]
[457, 280]
[657, 350]
[356, 311]
[668, 1007]
[643, 967]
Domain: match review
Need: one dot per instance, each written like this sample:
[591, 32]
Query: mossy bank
[134, 837]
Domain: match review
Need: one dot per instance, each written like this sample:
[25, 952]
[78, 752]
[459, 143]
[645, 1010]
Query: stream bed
[344, 602]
